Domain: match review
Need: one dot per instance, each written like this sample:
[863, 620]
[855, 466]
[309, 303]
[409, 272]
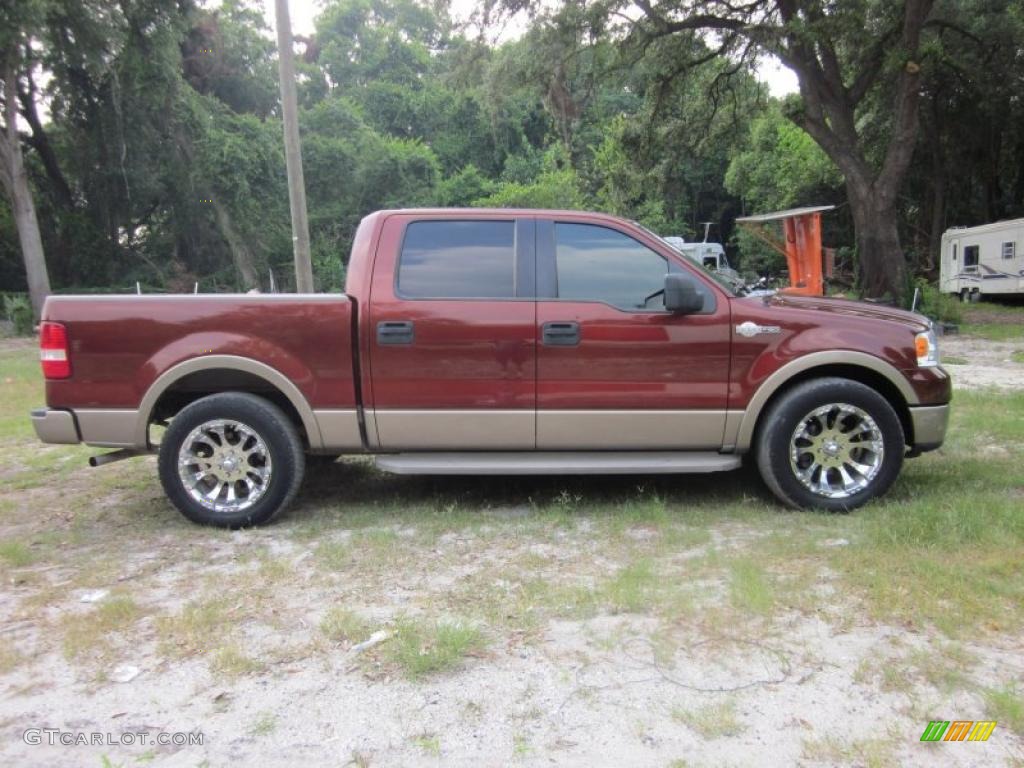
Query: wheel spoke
[236, 472]
[836, 450]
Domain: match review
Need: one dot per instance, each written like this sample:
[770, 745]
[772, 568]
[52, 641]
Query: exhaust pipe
[108, 458]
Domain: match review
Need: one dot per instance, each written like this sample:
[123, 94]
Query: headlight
[927, 348]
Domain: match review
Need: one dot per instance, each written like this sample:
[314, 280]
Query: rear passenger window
[458, 260]
[599, 264]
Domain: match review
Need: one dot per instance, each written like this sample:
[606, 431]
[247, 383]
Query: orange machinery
[801, 245]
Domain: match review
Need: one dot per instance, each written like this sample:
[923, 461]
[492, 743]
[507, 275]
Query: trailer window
[970, 255]
[458, 260]
[1009, 250]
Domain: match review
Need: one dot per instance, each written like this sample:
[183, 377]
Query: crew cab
[495, 342]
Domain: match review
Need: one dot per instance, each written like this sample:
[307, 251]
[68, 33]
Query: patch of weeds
[829, 750]
[91, 633]
[429, 744]
[713, 721]
[567, 501]
[15, 554]
[421, 647]
[944, 667]
[230, 661]
[749, 588]
[520, 746]
[1018, 356]
[10, 658]
[1006, 706]
[954, 360]
[201, 625]
[994, 331]
[631, 590]
[334, 555]
[264, 724]
[342, 625]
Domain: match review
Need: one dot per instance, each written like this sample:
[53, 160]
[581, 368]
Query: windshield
[721, 281]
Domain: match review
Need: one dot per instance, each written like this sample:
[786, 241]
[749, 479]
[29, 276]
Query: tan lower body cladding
[526, 429]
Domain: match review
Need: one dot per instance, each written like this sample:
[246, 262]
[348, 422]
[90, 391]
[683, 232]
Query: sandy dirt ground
[798, 690]
[822, 684]
[979, 364]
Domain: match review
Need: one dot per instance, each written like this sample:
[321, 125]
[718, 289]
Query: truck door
[614, 369]
[453, 334]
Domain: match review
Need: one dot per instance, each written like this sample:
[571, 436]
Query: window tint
[458, 259]
[598, 264]
[1009, 250]
[971, 255]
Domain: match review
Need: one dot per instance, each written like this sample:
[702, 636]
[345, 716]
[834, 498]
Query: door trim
[465, 429]
[630, 429]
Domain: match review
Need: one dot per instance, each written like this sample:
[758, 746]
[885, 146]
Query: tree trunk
[15, 182]
[883, 268]
[240, 251]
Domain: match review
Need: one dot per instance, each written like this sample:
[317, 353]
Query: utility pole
[293, 151]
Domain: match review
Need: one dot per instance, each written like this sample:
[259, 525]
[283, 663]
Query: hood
[848, 307]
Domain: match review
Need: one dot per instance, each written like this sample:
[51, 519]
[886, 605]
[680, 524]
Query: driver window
[599, 264]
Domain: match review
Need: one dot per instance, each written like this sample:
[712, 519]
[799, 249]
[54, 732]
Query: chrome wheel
[836, 450]
[224, 465]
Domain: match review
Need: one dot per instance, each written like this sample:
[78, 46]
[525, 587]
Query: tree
[844, 55]
[14, 58]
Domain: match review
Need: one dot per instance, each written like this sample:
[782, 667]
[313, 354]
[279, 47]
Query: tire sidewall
[272, 426]
[782, 420]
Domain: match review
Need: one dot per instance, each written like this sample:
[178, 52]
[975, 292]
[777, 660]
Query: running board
[557, 463]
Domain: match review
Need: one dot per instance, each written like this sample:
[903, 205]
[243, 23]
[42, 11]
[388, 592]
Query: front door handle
[395, 332]
[562, 334]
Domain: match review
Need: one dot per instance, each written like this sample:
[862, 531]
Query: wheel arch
[198, 377]
[867, 369]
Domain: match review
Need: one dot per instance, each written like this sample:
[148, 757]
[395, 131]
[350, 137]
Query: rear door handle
[395, 332]
[562, 334]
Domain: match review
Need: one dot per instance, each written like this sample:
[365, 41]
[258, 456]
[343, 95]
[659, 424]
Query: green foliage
[936, 305]
[159, 156]
[19, 311]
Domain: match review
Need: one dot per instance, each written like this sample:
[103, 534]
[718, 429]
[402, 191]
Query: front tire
[231, 460]
[831, 444]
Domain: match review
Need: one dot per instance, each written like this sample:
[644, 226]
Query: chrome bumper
[929, 422]
[55, 426]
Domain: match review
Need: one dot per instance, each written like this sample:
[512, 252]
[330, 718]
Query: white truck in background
[984, 260]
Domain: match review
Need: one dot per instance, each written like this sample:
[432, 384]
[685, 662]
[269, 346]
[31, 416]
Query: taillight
[53, 351]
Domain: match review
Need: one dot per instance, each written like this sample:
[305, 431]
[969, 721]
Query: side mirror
[681, 295]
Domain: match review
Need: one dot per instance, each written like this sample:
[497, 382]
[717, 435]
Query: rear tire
[231, 460]
[831, 444]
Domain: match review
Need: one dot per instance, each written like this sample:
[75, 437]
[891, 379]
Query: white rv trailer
[985, 260]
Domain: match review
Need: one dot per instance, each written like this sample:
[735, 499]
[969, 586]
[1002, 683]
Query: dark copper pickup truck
[495, 342]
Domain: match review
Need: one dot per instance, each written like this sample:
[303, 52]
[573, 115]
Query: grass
[91, 634]
[342, 625]
[420, 647]
[954, 360]
[749, 588]
[1006, 706]
[831, 750]
[1018, 356]
[428, 744]
[202, 626]
[264, 724]
[230, 661]
[939, 555]
[994, 331]
[714, 721]
[15, 554]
